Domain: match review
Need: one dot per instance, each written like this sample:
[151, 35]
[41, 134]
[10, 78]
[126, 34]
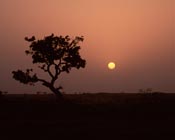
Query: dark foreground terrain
[88, 116]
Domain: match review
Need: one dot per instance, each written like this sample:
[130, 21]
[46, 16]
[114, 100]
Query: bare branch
[44, 82]
[49, 71]
[57, 72]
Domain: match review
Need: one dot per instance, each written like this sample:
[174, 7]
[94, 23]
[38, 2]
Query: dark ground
[88, 116]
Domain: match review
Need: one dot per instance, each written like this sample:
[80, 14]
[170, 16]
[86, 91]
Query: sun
[111, 65]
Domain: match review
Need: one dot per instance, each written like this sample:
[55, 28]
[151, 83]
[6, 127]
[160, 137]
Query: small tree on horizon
[54, 55]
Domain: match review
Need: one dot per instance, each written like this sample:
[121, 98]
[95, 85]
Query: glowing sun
[111, 65]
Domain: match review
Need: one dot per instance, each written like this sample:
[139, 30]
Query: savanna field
[88, 116]
[83, 47]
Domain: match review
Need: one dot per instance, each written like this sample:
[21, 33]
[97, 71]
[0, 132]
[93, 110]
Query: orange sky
[136, 34]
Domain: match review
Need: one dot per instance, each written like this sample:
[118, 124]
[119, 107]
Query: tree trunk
[56, 92]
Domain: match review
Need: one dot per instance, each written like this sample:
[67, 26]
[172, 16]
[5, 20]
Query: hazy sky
[138, 35]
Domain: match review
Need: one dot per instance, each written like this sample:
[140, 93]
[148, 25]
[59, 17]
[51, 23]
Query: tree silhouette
[54, 55]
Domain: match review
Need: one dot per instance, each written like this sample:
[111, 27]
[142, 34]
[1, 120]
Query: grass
[88, 116]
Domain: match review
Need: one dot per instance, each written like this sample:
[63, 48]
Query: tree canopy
[54, 55]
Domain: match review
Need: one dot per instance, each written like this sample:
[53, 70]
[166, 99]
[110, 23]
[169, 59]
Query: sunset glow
[137, 34]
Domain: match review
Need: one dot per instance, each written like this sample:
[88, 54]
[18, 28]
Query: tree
[0, 93]
[54, 55]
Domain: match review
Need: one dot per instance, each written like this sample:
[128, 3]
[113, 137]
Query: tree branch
[45, 83]
[57, 72]
[48, 70]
